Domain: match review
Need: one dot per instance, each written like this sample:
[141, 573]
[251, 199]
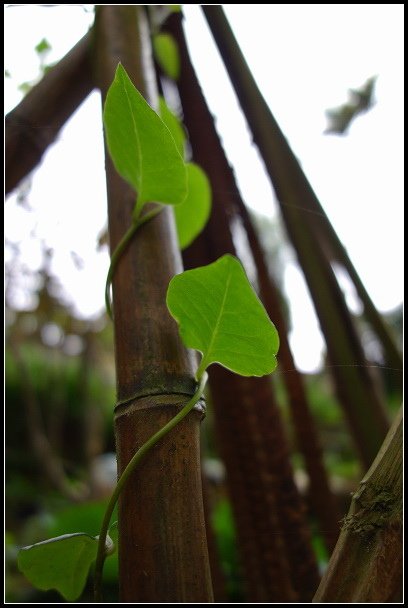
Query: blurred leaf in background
[360, 100]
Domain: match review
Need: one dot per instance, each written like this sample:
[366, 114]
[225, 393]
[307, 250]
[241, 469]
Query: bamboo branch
[35, 123]
[366, 565]
[354, 386]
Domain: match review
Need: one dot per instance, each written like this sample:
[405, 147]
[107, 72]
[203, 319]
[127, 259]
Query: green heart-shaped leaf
[193, 213]
[167, 55]
[141, 146]
[63, 562]
[220, 315]
[60, 563]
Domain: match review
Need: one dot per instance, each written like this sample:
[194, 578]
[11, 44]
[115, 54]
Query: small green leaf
[173, 124]
[141, 146]
[25, 87]
[60, 563]
[48, 67]
[167, 54]
[220, 315]
[43, 46]
[192, 215]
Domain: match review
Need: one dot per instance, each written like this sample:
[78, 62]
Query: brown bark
[35, 123]
[366, 565]
[354, 386]
[320, 496]
[271, 525]
[162, 547]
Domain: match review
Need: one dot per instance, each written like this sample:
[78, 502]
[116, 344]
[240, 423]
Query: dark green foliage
[224, 528]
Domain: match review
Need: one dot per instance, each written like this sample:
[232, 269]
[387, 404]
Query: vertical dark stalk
[273, 536]
[162, 545]
[321, 498]
[271, 521]
[353, 383]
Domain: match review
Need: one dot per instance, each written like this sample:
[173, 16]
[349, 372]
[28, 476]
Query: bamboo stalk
[263, 519]
[321, 498]
[353, 383]
[366, 565]
[35, 123]
[162, 545]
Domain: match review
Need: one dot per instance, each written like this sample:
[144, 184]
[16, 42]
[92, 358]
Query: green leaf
[48, 67]
[60, 563]
[220, 315]
[25, 87]
[173, 124]
[43, 47]
[141, 146]
[192, 215]
[167, 54]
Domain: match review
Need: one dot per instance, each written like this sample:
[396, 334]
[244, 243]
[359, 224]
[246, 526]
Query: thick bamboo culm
[163, 553]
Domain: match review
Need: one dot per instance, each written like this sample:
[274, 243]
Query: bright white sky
[305, 58]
